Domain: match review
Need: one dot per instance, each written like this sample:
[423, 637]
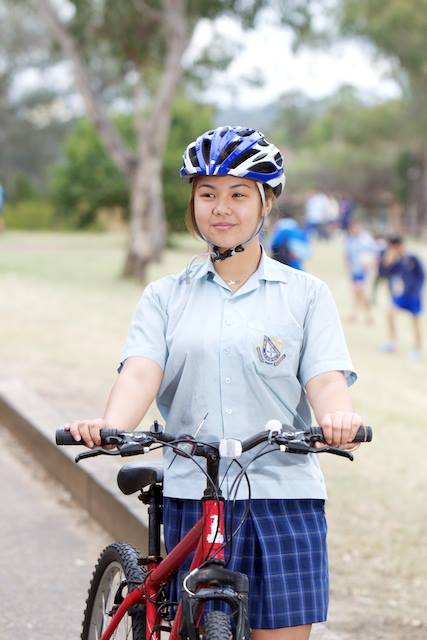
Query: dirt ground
[64, 316]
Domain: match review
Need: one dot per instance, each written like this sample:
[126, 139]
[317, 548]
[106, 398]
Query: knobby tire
[118, 563]
[217, 626]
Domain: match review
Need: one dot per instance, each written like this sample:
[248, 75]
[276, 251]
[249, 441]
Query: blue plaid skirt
[281, 548]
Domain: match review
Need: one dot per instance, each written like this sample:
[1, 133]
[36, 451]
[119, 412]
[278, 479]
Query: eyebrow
[233, 186]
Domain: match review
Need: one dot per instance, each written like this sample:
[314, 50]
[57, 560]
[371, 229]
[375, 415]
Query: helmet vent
[279, 159]
[193, 157]
[206, 150]
[246, 132]
[264, 167]
[242, 158]
[229, 150]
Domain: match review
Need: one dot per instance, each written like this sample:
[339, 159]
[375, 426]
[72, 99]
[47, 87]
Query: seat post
[154, 498]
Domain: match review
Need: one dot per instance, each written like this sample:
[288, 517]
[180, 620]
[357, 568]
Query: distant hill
[261, 118]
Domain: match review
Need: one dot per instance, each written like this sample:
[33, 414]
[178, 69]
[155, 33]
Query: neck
[242, 265]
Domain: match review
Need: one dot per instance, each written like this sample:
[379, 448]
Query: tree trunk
[147, 226]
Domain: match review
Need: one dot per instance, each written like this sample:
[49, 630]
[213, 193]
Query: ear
[268, 205]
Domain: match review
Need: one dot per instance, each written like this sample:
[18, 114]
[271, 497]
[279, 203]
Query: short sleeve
[324, 347]
[146, 337]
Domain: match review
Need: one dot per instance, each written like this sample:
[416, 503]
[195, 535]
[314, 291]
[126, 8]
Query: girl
[225, 346]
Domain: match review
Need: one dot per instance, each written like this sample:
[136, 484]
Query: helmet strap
[217, 255]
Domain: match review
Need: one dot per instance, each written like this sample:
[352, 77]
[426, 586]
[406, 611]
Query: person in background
[360, 249]
[382, 271]
[332, 214]
[3, 198]
[289, 243]
[407, 275]
[347, 206]
[316, 214]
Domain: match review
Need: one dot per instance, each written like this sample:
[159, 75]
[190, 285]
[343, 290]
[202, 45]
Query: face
[228, 209]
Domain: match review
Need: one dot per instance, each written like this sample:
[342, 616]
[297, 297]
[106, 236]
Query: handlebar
[137, 442]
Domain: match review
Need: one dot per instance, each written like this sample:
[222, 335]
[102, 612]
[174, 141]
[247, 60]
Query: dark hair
[395, 241]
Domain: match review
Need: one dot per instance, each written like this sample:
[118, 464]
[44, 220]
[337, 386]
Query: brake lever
[335, 451]
[303, 447]
[95, 452]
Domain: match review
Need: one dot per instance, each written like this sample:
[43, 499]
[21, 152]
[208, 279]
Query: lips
[223, 227]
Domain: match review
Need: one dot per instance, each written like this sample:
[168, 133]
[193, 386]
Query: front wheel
[217, 626]
[116, 573]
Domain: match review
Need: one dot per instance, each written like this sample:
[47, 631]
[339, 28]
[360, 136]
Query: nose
[221, 206]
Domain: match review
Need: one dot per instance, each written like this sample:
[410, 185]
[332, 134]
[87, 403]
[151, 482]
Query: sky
[268, 52]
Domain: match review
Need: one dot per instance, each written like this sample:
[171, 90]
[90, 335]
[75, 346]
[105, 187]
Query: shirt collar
[270, 269]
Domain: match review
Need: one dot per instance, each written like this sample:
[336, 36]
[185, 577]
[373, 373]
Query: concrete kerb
[32, 421]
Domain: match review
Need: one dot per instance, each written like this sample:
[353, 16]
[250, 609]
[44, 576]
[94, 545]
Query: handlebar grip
[364, 433]
[63, 437]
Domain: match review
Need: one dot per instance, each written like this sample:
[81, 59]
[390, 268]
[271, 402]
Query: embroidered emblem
[270, 352]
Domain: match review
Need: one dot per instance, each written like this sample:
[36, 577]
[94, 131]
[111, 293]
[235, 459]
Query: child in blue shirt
[407, 275]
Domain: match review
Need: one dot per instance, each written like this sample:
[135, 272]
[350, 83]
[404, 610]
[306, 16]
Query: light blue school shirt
[243, 358]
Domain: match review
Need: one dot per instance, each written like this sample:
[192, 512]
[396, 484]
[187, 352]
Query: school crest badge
[271, 351]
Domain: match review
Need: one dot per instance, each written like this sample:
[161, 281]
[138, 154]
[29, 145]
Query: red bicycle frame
[206, 537]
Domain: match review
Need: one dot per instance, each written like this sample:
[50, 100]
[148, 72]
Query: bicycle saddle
[135, 477]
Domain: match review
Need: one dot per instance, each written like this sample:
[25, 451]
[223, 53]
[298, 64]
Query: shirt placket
[228, 338]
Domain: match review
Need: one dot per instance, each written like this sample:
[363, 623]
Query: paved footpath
[48, 548]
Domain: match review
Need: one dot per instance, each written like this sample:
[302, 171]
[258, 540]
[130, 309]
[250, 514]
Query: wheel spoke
[117, 565]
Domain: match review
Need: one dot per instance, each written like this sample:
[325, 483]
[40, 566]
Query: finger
[84, 428]
[337, 419]
[95, 433]
[326, 424]
[75, 431]
[356, 422]
[346, 429]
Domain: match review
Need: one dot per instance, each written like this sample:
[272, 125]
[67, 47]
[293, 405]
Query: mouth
[223, 226]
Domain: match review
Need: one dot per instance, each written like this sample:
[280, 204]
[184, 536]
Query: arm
[331, 402]
[130, 398]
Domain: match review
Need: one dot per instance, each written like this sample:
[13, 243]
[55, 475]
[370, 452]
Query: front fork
[213, 581]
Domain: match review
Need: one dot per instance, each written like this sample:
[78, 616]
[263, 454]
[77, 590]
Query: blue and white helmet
[235, 151]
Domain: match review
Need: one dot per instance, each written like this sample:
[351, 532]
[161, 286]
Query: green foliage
[88, 180]
[22, 189]
[30, 214]
[341, 142]
[117, 38]
[396, 27]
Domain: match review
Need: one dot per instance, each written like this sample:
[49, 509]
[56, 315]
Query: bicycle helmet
[235, 151]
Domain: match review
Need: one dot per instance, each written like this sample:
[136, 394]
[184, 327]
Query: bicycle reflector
[230, 448]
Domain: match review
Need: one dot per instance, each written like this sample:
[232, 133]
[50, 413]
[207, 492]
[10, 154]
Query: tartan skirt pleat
[282, 549]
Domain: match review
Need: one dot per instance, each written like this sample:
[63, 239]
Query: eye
[207, 195]
[238, 195]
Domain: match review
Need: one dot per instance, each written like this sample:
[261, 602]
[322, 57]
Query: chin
[219, 240]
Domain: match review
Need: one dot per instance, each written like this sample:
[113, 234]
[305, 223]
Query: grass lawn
[64, 316]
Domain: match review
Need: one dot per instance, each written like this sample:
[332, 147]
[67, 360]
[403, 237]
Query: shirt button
[228, 321]
[228, 380]
[229, 411]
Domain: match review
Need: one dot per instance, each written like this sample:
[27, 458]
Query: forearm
[132, 394]
[333, 408]
[328, 393]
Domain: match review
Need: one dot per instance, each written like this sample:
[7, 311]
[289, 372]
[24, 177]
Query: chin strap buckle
[228, 253]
